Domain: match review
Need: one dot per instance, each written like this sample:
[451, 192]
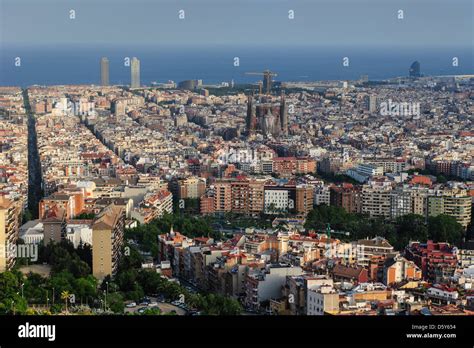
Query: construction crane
[267, 79]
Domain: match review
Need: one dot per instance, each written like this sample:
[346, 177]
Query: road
[35, 191]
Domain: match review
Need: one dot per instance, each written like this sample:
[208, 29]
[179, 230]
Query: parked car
[131, 305]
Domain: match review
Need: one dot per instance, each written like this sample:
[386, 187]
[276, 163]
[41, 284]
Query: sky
[435, 23]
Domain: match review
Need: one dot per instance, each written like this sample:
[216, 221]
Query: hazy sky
[237, 22]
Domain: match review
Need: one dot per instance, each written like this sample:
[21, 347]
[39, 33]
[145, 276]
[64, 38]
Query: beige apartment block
[107, 241]
[8, 233]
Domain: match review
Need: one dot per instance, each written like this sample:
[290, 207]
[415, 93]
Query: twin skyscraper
[134, 72]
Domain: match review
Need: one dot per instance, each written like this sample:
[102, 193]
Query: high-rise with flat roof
[135, 72]
[107, 241]
[104, 71]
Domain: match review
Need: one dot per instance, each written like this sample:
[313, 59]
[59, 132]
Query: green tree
[441, 179]
[11, 300]
[27, 216]
[86, 288]
[34, 288]
[445, 228]
[410, 227]
[152, 311]
[115, 302]
[65, 297]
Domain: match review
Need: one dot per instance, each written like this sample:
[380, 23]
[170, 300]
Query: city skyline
[178, 163]
[79, 65]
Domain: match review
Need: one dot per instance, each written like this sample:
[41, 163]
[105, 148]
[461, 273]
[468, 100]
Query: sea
[26, 65]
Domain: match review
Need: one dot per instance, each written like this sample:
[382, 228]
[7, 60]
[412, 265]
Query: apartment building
[321, 300]
[107, 241]
[256, 196]
[279, 199]
[54, 225]
[398, 269]
[192, 187]
[304, 199]
[153, 206]
[322, 195]
[206, 205]
[64, 201]
[389, 165]
[347, 197]
[222, 196]
[240, 196]
[285, 166]
[376, 200]
[365, 249]
[452, 202]
[364, 171]
[297, 287]
[400, 203]
[437, 260]
[265, 284]
[419, 200]
[8, 233]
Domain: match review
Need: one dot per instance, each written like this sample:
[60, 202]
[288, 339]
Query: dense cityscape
[276, 198]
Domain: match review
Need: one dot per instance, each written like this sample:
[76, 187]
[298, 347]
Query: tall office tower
[104, 71]
[283, 114]
[415, 70]
[8, 233]
[135, 71]
[107, 241]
